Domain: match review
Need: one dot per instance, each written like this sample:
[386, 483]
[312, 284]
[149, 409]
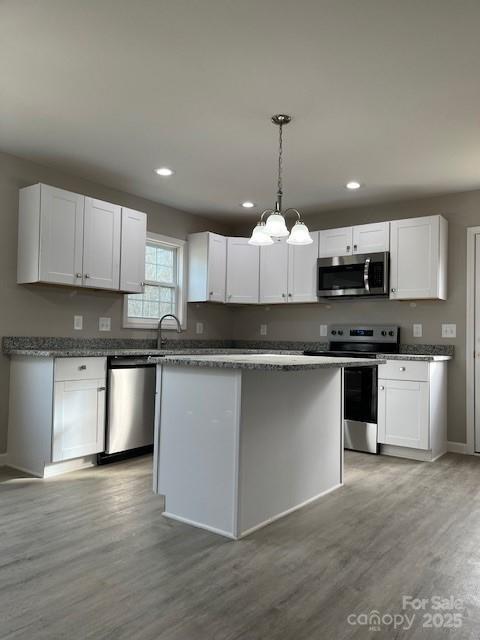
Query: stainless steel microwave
[365, 274]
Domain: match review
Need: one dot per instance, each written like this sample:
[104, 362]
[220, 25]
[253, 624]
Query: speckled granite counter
[422, 357]
[267, 362]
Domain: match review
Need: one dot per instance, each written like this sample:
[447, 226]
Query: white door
[61, 236]
[132, 252]
[79, 419]
[274, 272]
[403, 413]
[414, 258]
[371, 238]
[302, 271]
[243, 261]
[101, 244]
[217, 265]
[476, 373]
[336, 242]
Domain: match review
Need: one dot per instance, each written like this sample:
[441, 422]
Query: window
[164, 290]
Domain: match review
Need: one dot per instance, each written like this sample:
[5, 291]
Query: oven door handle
[366, 270]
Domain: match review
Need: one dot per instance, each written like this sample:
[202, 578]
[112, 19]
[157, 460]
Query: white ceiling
[384, 91]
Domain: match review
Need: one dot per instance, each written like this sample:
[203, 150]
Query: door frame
[470, 340]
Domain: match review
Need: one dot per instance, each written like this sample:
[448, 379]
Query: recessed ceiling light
[353, 184]
[164, 171]
[248, 204]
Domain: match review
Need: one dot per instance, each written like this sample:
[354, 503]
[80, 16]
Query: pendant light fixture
[275, 225]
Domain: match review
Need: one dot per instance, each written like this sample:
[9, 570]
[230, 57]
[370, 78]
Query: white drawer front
[80, 368]
[404, 370]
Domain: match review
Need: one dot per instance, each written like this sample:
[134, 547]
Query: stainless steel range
[360, 384]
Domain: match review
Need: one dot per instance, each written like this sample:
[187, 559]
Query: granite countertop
[159, 353]
[265, 362]
[425, 357]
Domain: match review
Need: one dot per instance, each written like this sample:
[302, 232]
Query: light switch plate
[323, 330]
[78, 323]
[104, 324]
[417, 330]
[199, 327]
[449, 330]
[263, 329]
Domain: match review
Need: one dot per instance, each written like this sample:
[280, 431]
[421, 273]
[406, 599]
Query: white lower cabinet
[403, 413]
[56, 413]
[78, 418]
[412, 409]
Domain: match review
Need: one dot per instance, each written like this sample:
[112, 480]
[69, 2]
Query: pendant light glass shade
[300, 234]
[276, 226]
[259, 237]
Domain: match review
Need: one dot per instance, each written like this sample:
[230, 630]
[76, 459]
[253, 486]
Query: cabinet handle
[381, 388]
[86, 276]
[354, 247]
[348, 248]
[403, 369]
[283, 295]
[79, 275]
[210, 293]
[289, 295]
[102, 389]
[393, 290]
[142, 284]
[82, 367]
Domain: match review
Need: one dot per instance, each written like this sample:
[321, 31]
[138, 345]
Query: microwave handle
[366, 271]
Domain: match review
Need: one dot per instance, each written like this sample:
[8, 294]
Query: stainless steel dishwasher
[130, 408]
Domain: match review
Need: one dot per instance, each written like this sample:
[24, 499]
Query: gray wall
[301, 322]
[43, 310]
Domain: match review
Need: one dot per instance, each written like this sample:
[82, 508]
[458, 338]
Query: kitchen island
[242, 440]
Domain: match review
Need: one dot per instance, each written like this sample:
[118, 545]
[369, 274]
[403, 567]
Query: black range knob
[334, 333]
[384, 333]
[340, 332]
[391, 333]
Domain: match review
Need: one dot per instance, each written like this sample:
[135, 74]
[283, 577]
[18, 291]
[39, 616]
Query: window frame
[181, 286]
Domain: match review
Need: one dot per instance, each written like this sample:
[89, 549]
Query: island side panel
[199, 441]
[290, 441]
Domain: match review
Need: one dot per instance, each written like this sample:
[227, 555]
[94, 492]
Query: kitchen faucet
[162, 341]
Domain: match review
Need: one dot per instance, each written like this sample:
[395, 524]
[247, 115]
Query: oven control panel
[364, 333]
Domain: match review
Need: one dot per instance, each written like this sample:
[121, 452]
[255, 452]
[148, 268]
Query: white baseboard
[59, 468]
[457, 447]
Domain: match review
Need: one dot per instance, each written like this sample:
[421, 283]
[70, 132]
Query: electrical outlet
[323, 330]
[449, 330]
[199, 327]
[78, 323]
[417, 330]
[104, 324]
[263, 329]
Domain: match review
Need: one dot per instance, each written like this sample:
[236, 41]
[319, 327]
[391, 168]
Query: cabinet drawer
[80, 368]
[404, 370]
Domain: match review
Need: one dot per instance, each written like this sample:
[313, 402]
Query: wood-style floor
[89, 555]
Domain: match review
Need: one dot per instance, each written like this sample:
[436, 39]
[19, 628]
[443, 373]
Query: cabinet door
[132, 252]
[79, 419]
[274, 272]
[371, 238]
[101, 245]
[243, 261]
[61, 236]
[302, 271]
[403, 413]
[217, 266]
[336, 242]
[414, 258]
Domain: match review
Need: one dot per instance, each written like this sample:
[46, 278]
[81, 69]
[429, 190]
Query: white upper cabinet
[362, 238]
[50, 236]
[66, 238]
[336, 242]
[371, 238]
[302, 271]
[101, 244]
[207, 265]
[243, 261]
[132, 250]
[274, 272]
[418, 258]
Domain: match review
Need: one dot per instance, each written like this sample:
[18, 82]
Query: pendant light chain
[280, 168]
